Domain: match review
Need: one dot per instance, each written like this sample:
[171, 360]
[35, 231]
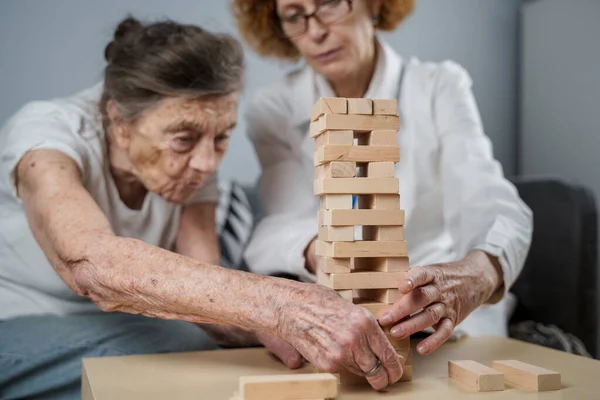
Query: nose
[315, 29]
[204, 158]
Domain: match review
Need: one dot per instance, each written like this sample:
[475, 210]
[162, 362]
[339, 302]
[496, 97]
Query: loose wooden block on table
[360, 106]
[385, 107]
[528, 376]
[288, 387]
[361, 217]
[331, 265]
[357, 123]
[336, 233]
[383, 233]
[338, 152]
[336, 202]
[329, 105]
[476, 375]
[360, 280]
[361, 249]
[335, 137]
[379, 202]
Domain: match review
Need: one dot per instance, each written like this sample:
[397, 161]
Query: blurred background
[534, 64]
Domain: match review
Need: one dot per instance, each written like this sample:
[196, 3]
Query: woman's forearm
[132, 276]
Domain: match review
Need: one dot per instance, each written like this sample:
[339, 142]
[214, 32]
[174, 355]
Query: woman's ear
[117, 127]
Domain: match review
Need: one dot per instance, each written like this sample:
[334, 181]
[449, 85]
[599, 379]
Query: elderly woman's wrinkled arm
[124, 274]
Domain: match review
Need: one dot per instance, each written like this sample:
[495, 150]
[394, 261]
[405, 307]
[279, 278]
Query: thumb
[282, 349]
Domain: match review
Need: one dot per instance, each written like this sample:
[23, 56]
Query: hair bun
[128, 32]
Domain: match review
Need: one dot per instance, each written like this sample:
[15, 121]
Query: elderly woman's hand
[334, 334]
[446, 294]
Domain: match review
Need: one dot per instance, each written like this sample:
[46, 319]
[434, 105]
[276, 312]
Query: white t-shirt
[28, 283]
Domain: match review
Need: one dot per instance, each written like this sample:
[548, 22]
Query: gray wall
[53, 48]
[560, 103]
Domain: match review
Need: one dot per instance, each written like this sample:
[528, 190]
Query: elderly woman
[107, 203]
[468, 233]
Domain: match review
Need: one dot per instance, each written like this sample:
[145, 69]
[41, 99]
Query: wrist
[491, 272]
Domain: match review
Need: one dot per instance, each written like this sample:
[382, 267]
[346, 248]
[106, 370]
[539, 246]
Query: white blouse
[453, 191]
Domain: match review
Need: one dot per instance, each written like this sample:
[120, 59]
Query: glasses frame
[314, 15]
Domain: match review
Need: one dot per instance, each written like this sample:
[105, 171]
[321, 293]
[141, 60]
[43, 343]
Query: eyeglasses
[327, 12]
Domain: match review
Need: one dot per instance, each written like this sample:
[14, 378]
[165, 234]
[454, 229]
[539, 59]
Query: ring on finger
[373, 370]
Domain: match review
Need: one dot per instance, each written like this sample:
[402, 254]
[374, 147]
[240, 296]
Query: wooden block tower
[356, 151]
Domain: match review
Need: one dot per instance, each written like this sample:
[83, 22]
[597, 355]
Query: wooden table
[213, 375]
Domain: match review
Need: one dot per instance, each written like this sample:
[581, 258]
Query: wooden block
[356, 186]
[335, 137]
[360, 106]
[528, 376]
[361, 249]
[336, 202]
[361, 217]
[346, 294]
[475, 375]
[331, 265]
[360, 280]
[288, 387]
[328, 105]
[388, 264]
[371, 306]
[336, 233]
[381, 170]
[357, 123]
[336, 169]
[389, 296]
[385, 107]
[379, 202]
[337, 152]
[383, 138]
[382, 233]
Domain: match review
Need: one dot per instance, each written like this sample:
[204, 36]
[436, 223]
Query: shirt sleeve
[289, 222]
[481, 208]
[39, 126]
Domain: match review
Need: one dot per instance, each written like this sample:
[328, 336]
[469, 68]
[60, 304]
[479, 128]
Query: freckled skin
[150, 155]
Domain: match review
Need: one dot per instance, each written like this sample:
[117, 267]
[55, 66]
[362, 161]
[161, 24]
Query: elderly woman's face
[176, 145]
[333, 49]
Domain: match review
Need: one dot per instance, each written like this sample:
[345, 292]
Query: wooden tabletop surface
[213, 375]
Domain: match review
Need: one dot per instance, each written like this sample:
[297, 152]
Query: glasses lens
[333, 10]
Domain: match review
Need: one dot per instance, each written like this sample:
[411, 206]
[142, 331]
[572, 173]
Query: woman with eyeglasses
[468, 232]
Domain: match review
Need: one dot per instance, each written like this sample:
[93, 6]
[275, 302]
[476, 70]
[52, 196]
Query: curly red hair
[259, 26]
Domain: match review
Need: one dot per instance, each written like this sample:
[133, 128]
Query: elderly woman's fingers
[429, 316]
[414, 278]
[388, 357]
[282, 350]
[410, 303]
[443, 330]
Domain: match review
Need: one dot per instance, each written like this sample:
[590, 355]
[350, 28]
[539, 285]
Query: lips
[328, 56]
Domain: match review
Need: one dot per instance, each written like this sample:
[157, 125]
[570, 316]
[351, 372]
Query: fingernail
[386, 319]
[401, 359]
[410, 283]
[422, 348]
[397, 331]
